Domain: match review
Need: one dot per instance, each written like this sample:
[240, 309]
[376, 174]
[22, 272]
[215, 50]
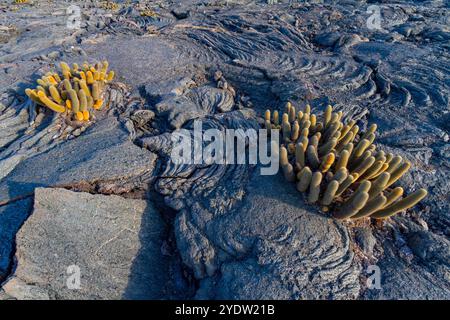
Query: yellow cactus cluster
[109, 5]
[148, 13]
[75, 91]
[338, 166]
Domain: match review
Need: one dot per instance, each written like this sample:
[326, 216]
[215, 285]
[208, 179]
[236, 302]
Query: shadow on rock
[157, 271]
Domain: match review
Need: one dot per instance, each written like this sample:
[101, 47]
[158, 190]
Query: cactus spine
[352, 207]
[371, 206]
[314, 187]
[401, 205]
[330, 192]
[49, 103]
[304, 177]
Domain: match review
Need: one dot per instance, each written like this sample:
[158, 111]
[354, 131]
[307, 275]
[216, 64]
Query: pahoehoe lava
[232, 233]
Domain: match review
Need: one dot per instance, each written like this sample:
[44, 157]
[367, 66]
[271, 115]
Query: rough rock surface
[103, 153]
[115, 243]
[415, 272]
[240, 235]
[277, 247]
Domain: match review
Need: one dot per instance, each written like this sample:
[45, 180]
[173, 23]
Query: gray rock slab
[103, 153]
[115, 243]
